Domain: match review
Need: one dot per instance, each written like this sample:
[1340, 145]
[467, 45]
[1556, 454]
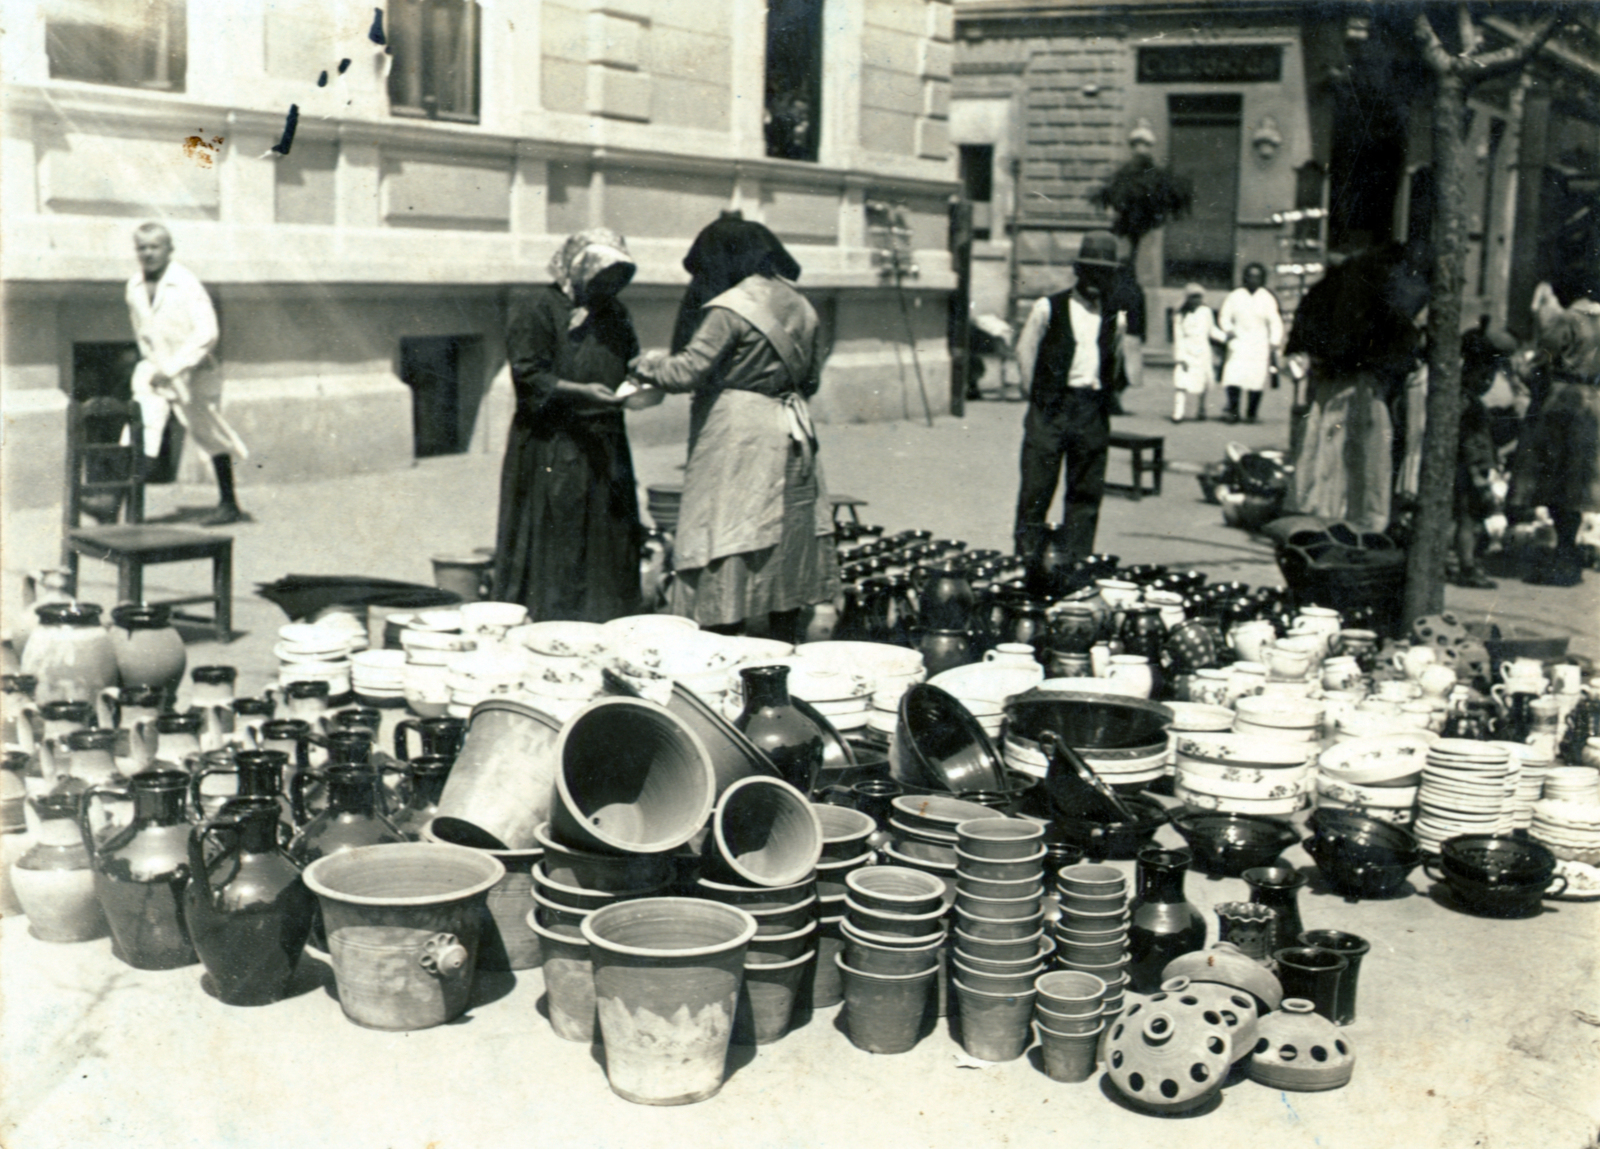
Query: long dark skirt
[568, 542]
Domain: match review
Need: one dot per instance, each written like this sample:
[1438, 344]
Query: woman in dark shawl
[568, 542]
[754, 541]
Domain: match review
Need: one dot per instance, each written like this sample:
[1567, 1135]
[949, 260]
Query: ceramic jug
[944, 650]
[247, 908]
[40, 588]
[436, 737]
[70, 653]
[292, 738]
[306, 701]
[256, 774]
[946, 601]
[1163, 925]
[790, 739]
[132, 712]
[1143, 632]
[18, 713]
[149, 650]
[141, 869]
[53, 881]
[425, 778]
[212, 685]
[1278, 887]
[249, 714]
[353, 817]
[178, 737]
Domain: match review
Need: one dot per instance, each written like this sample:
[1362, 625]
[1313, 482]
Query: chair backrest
[104, 439]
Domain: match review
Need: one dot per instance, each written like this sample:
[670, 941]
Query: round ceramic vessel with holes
[1299, 1049]
[1166, 1054]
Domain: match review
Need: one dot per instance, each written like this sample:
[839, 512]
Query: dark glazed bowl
[1355, 871]
[1230, 844]
[1087, 721]
[1123, 840]
[1374, 840]
[948, 746]
[1496, 860]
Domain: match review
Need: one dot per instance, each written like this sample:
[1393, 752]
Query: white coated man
[176, 328]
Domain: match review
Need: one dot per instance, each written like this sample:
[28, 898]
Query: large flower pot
[633, 778]
[667, 973]
[504, 778]
[827, 983]
[1070, 1057]
[568, 982]
[883, 1012]
[403, 922]
[994, 1026]
[764, 832]
[767, 998]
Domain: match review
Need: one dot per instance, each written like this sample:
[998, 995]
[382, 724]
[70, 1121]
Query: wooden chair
[107, 465]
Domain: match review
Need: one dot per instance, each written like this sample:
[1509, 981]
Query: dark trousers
[1077, 436]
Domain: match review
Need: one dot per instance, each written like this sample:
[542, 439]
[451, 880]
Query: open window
[977, 185]
[434, 46]
[128, 43]
[794, 79]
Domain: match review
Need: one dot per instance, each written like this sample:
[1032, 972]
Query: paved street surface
[1472, 1032]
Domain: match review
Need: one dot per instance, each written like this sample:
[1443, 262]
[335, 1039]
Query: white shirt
[1084, 370]
[1252, 318]
[177, 330]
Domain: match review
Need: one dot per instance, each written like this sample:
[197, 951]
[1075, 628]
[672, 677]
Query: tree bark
[1435, 520]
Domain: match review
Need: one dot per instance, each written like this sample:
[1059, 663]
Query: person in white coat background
[1195, 335]
[1253, 327]
[176, 328]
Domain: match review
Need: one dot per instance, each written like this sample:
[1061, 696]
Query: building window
[794, 78]
[129, 43]
[434, 46]
[977, 185]
[1205, 141]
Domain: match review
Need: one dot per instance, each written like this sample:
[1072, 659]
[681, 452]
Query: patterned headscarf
[585, 255]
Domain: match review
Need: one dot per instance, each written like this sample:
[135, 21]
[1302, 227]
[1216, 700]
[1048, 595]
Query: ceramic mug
[1566, 678]
[1546, 712]
[1248, 639]
[1133, 671]
[1100, 659]
[1012, 654]
[1340, 672]
[1524, 669]
[1286, 662]
[1413, 660]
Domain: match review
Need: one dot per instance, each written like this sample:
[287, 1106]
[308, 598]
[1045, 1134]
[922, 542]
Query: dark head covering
[726, 251]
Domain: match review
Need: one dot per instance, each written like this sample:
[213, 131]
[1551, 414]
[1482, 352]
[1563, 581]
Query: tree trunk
[1434, 531]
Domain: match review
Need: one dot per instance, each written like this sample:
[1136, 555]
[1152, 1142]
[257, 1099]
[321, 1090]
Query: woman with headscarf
[569, 535]
[754, 542]
[1194, 336]
[1557, 465]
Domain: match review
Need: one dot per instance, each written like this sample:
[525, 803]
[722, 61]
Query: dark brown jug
[140, 870]
[425, 778]
[353, 817]
[258, 774]
[946, 599]
[1163, 924]
[779, 730]
[438, 737]
[249, 912]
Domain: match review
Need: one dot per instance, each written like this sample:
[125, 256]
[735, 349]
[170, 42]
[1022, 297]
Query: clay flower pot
[827, 983]
[883, 1012]
[1091, 880]
[868, 956]
[1070, 1057]
[767, 998]
[503, 779]
[998, 929]
[667, 973]
[1000, 839]
[994, 1026]
[508, 943]
[1000, 949]
[784, 946]
[844, 832]
[831, 875]
[763, 833]
[895, 889]
[568, 982]
[1350, 947]
[613, 873]
[633, 778]
[1002, 870]
[891, 924]
[1019, 980]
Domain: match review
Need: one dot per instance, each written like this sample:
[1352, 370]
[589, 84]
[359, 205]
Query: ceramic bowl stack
[1468, 787]
[315, 652]
[1243, 774]
[1534, 765]
[698, 659]
[923, 833]
[478, 675]
[889, 670]
[1572, 784]
[984, 687]
[1570, 830]
[1285, 719]
[430, 639]
[1092, 932]
[1376, 776]
[999, 945]
[379, 676]
[845, 846]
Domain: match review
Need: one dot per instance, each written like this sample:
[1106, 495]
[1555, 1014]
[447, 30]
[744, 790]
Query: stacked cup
[1000, 945]
[1068, 1016]
[845, 847]
[894, 935]
[1092, 932]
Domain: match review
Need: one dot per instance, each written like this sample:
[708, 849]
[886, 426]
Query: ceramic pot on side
[53, 880]
[70, 654]
[248, 909]
[140, 871]
[1163, 923]
[778, 729]
[148, 648]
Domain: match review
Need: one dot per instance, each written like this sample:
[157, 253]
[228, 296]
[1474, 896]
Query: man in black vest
[1069, 351]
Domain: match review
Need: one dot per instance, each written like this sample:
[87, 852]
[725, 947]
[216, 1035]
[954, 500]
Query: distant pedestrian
[176, 328]
[1253, 327]
[569, 539]
[1195, 336]
[1069, 351]
[1483, 354]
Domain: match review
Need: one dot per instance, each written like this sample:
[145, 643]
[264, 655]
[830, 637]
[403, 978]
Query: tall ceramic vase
[1164, 925]
[778, 729]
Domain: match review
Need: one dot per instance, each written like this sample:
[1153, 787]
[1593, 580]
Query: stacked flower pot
[1000, 945]
[1092, 932]
[894, 935]
[1068, 1016]
[845, 847]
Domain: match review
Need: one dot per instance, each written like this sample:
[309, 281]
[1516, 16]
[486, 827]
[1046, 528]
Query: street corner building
[359, 190]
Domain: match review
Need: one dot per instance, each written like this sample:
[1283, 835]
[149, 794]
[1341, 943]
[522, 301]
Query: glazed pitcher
[256, 774]
[212, 685]
[1163, 924]
[306, 701]
[40, 588]
[70, 653]
[770, 720]
[141, 869]
[436, 737]
[53, 880]
[425, 777]
[178, 737]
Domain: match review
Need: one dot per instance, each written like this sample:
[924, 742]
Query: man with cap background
[1069, 351]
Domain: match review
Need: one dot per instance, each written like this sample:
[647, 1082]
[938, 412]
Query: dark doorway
[445, 376]
[1205, 147]
[794, 78]
[103, 371]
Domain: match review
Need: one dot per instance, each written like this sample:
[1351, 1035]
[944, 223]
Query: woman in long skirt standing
[754, 542]
[569, 535]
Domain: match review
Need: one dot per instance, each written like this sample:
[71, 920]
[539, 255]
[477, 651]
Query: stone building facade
[360, 267]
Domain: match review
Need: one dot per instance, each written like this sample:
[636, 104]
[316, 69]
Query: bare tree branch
[1512, 56]
[1471, 39]
[1438, 59]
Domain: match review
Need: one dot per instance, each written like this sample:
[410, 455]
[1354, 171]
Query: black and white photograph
[828, 573]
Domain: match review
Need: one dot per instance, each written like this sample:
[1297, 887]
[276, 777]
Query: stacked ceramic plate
[1286, 719]
[1571, 830]
[556, 639]
[883, 718]
[1572, 784]
[1243, 774]
[1534, 764]
[1377, 776]
[699, 660]
[378, 674]
[1122, 766]
[478, 675]
[1092, 932]
[1358, 723]
[313, 652]
[1468, 787]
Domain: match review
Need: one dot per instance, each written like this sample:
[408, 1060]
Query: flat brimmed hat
[1098, 249]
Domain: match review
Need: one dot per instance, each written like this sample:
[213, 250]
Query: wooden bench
[1137, 445]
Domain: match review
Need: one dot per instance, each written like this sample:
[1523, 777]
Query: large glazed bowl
[1230, 844]
[1357, 871]
[1082, 720]
[940, 743]
[1100, 840]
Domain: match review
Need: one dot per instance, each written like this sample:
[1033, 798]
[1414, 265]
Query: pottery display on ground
[768, 995]
[1165, 1054]
[69, 653]
[1278, 887]
[1297, 1049]
[53, 880]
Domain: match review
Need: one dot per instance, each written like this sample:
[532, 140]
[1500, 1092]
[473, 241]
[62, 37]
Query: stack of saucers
[312, 652]
[378, 676]
[1286, 719]
[1377, 776]
[1092, 932]
[1571, 830]
[1000, 947]
[1467, 788]
[1534, 763]
[1572, 784]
